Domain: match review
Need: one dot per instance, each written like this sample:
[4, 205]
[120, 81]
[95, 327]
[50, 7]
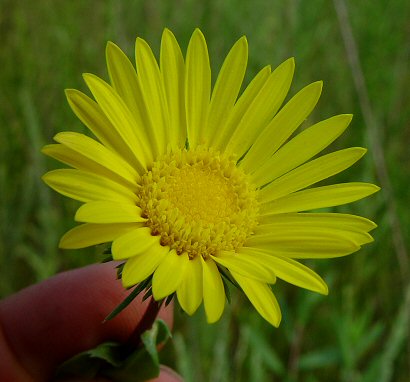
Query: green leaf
[110, 360]
[154, 337]
[143, 364]
[87, 364]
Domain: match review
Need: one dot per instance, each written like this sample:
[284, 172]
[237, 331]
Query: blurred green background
[361, 50]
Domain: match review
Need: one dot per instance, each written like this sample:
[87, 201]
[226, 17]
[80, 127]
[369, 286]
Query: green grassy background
[360, 332]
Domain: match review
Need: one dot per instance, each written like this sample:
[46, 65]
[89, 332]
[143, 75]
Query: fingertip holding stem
[50, 322]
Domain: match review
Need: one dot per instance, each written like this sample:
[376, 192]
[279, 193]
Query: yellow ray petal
[86, 235]
[262, 109]
[245, 266]
[214, 292]
[98, 153]
[282, 231]
[227, 87]
[327, 250]
[324, 223]
[319, 197]
[153, 93]
[138, 268]
[299, 150]
[294, 244]
[354, 227]
[330, 219]
[197, 88]
[285, 237]
[173, 78]
[289, 270]
[105, 212]
[169, 274]
[282, 126]
[261, 297]
[311, 173]
[190, 290]
[125, 81]
[90, 113]
[241, 106]
[81, 162]
[122, 119]
[133, 243]
[87, 187]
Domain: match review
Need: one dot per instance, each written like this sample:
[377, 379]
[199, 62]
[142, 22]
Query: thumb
[45, 324]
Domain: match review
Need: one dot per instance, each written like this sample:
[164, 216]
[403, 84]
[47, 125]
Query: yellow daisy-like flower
[189, 182]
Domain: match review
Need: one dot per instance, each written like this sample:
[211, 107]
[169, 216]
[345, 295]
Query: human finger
[49, 322]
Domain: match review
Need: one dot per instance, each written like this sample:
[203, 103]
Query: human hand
[48, 323]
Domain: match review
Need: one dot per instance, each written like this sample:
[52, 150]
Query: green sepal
[107, 259]
[227, 290]
[226, 280]
[147, 294]
[120, 267]
[169, 299]
[108, 255]
[135, 292]
[113, 360]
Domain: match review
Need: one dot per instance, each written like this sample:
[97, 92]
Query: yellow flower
[189, 183]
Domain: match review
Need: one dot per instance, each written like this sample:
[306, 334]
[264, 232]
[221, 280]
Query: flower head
[193, 184]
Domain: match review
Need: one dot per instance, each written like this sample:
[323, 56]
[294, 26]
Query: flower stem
[144, 324]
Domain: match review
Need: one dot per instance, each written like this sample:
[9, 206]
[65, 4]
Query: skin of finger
[49, 322]
[167, 375]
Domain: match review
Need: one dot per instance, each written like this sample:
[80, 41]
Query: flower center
[199, 202]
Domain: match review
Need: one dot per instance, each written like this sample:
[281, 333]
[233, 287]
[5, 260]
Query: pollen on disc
[198, 202]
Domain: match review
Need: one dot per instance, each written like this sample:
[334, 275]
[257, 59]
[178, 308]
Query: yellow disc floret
[198, 202]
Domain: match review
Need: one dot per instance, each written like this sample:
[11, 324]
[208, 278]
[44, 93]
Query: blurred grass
[360, 332]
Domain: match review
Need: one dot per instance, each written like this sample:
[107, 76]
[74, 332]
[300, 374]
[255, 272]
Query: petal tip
[46, 176]
[64, 243]
[243, 41]
[318, 85]
[198, 35]
[345, 118]
[376, 189]
[88, 77]
[69, 92]
[110, 45]
[45, 150]
[213, 319]
[167, 32]
[140, 41]
[79, 215]
[291, 61]
[277, 322]
[126, 283]
[110, 49]
[323, 289]
[288, 65]
[59, 136]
